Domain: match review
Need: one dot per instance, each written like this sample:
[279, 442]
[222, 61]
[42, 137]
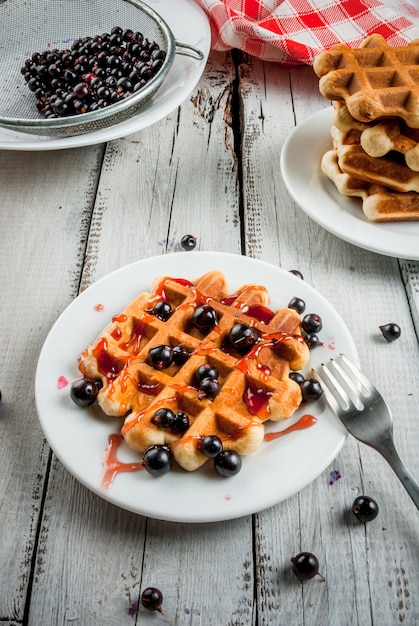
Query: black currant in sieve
[92, 73]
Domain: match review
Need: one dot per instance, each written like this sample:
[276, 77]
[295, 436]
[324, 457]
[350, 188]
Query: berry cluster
[310, 387]
[158, 458]
[94, 73]
[311, 323]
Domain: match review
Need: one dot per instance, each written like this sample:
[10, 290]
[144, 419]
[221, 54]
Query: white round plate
[189, 25]
[320, 200]
[277, 470]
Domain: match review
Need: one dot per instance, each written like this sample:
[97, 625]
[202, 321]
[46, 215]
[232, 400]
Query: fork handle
[389, 452]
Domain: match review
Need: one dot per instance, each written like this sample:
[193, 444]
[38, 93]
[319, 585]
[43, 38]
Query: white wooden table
[68, 218]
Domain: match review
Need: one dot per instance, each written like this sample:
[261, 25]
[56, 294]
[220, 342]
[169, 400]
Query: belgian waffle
[392, 135]
[253, 388]
[379, 203]
[375, 81]
[385, 171]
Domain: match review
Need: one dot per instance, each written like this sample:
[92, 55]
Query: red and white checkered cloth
[292, 32]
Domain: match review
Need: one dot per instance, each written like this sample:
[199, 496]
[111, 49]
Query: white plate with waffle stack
[321, 201]
[79, 437]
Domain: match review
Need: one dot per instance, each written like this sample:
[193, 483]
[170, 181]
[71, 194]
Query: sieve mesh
[28, 26]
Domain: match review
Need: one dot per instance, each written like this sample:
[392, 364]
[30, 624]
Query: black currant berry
[206, 371]
[152, 599]
[311, 390]
[157, 460]
[188, 242]
[163, 310]
[297, 273]
[297, 377]
[305, 565]
[390, 331]
[312, 323]
[180, 422]
[96, 72]
[242, 338]
[365, 508]
[84, 392]
[205, 318]
[210, 387]
[163, 418]
[211, 446]
[312, 340]
[180, 354]
[297, 304]
[227, 463]
[160, 357]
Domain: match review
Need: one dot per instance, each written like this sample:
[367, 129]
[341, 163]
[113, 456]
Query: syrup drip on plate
[112, 466]
[306, 421]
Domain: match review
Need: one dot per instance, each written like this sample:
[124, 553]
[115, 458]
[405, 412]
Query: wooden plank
[319, 518]
[150, 194]
[410, 273]
[46, 201]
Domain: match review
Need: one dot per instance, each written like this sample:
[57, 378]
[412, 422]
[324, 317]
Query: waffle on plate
[149, 358]
[375, 131]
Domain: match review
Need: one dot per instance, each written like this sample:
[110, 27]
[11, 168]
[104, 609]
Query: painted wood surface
[211, 168]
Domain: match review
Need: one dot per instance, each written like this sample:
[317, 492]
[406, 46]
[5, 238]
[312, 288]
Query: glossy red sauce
[136, 334]
[257, 400]
[108, 365]
[260, 313]
[112, 466]
[306, 421]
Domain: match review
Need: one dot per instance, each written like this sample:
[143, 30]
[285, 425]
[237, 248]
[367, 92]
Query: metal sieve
[28, 26]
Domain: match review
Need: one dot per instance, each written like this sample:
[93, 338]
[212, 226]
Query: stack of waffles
[254, 386]
[375, 132]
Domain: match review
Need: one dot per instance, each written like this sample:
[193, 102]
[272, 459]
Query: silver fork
[364, 413]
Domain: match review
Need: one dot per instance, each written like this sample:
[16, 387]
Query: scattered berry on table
[152, 599]
[297, 273]
[390, 331]
[365, 508]
[157, 460]
[227, 463]
[305, 565]
[84, 392]
[188, 242]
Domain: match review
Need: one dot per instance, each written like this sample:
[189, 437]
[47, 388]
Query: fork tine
[330, 398]
[341, 378]
[327, 394]
[368, 386]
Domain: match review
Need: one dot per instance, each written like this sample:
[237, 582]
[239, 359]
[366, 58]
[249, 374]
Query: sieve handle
[189, 51]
